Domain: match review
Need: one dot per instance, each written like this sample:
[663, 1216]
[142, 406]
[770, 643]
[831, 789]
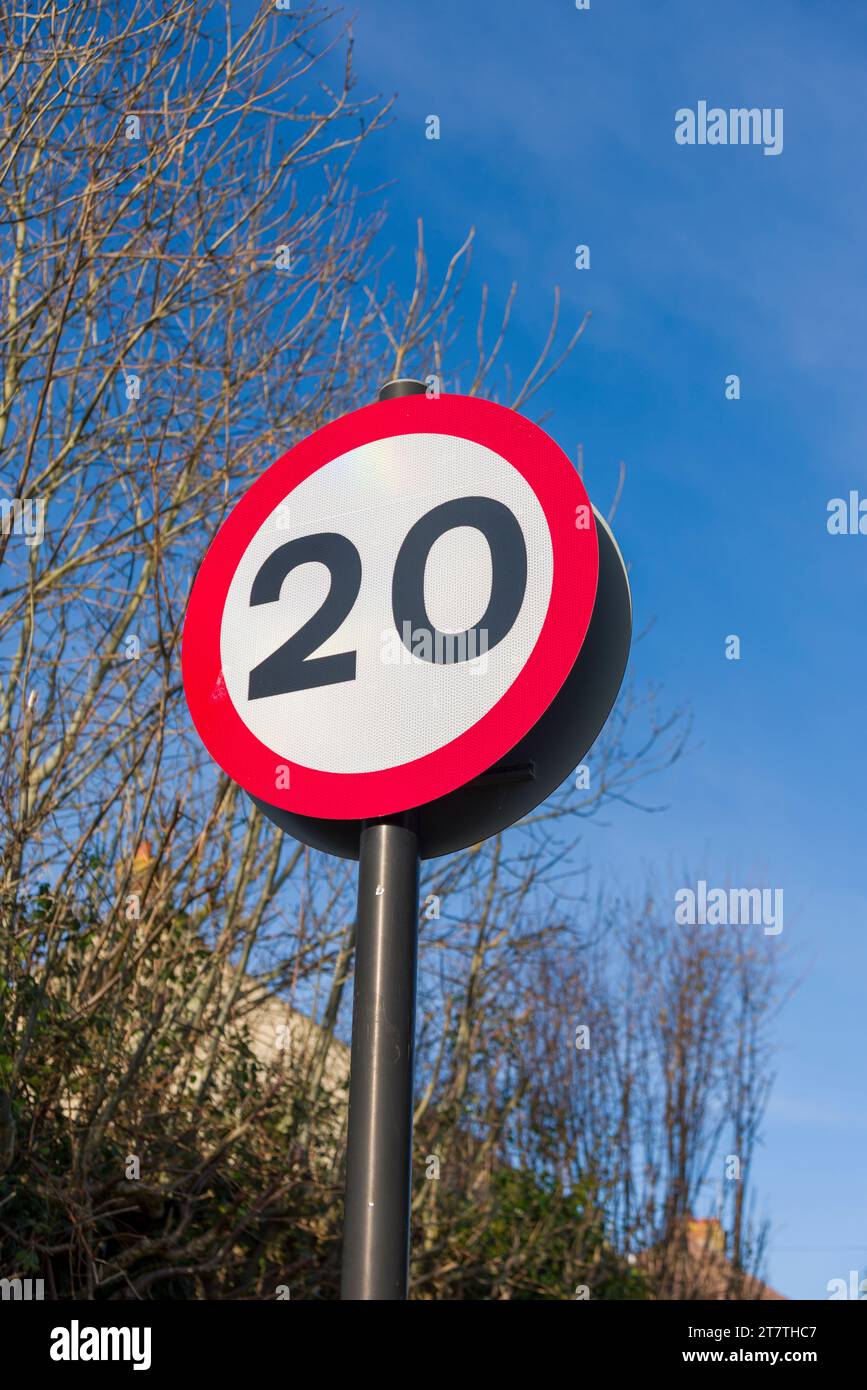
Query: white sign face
[390, 607]
[400, 703]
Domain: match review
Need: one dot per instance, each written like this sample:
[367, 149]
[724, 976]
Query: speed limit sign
[399, 643]
[391, 607]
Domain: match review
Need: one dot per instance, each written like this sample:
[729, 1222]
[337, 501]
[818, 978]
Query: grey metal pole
[379, 1146]
[379, 1149]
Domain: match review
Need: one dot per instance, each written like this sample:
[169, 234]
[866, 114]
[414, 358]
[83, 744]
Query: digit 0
[508, 576]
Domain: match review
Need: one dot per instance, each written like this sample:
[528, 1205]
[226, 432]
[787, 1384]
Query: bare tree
[614, 1068]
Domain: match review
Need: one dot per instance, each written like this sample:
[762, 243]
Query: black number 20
[293, 667]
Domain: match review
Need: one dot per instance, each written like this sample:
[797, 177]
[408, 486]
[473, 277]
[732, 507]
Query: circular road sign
[391, 607]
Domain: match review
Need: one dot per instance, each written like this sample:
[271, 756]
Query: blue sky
[557, 128]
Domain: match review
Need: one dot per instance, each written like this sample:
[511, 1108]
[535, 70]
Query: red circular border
[356, 795]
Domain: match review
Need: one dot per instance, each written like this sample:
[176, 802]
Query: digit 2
[292, 666]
